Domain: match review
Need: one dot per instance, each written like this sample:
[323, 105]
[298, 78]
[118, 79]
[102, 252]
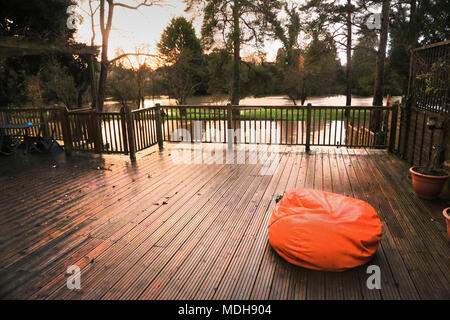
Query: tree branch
[146, 3]
[92, 14]
[132, 54]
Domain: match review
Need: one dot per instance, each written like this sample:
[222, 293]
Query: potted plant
[428, 184]
[428, 181]
[446, 214]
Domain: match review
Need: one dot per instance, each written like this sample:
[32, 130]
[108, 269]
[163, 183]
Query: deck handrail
[129, 131]
[237, 107]
[12, 109]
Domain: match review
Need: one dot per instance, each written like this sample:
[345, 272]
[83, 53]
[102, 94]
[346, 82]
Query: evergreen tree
[182, 54]
[322, 64]
[37, 25]
[237, 22]
[337, 18]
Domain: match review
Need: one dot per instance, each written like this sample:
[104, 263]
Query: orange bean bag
[324, 231]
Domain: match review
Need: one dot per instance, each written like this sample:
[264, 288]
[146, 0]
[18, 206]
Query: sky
[143, 28]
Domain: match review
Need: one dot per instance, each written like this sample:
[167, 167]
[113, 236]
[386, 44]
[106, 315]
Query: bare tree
[92, 11]
[140, 64]
[106, 19]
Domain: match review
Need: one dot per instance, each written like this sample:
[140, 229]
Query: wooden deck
[156, 230]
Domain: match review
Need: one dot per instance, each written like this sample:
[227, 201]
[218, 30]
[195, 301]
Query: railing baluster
[393, 127]
[67, 133]
[308, 128]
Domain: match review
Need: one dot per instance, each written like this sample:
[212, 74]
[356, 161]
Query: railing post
[405, 126]
[308, 128]
[230, 126]
[4, 116]
[67, 133]
[130, 132]
[123, 118]
[43, 123]
[393, 127]
[96, 132]
[159, 135]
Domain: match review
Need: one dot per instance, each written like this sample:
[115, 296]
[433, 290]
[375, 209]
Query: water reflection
[338, 100]
[329, 132]
[323, 132]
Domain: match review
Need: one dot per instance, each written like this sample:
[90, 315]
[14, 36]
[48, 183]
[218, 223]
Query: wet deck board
[158, 230]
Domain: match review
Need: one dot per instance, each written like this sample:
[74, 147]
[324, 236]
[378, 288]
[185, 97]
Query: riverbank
[338, 100]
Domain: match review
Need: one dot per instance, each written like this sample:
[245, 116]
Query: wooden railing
[48, 118]
[145, 127]
[113, 132]
[130, 131]
[287, 125]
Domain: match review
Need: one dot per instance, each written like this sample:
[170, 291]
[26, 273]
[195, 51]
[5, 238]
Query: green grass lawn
[269, 114]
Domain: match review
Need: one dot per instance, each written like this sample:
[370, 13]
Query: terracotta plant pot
[446, 214]
[427, 186]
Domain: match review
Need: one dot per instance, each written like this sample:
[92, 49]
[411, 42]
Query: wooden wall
[416, 140]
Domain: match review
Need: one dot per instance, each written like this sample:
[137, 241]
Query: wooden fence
[87, 130]
[428, 96]
[111, 132]
[286, 125]
[429, 77]
[129, 131]
[48, 118]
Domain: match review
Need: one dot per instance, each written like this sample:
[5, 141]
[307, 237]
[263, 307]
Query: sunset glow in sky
[133, 29]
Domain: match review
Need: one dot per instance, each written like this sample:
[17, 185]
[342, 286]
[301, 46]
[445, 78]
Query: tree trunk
[105, 42]
[349, 57]
[235, 91]
[93, 82]
[102, 85]
[375, 119]
[81, 91]
[92, 61]
[304, 96]
[412, 43]
[413, 23]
